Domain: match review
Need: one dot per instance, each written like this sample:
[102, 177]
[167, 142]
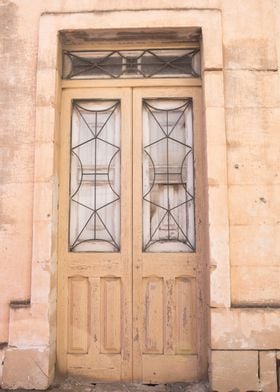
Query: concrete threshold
[73, 384]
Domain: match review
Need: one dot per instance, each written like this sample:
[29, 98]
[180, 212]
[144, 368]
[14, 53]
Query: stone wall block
[4, 319]
[219, 266]
[46, 77]
[215, 126]
[212, 43]
[31, 367]
[17, 164]
[255, 285]
[47, 33]
[219, 289]
[254, 204]
[44, 158]
[247, 20]
[45, 123]
[15, 199]
[43, 201]
[28, 327]
[268, 374]
[252, 126]
[245, 329]
[254, 164]
[213, 88]
[234, 371]
[42, 241]
[216, 166]
[252, 53]
[2, 356]
[53, 318]
[217, 197]
[257, 245]
[52, 360]
[106, 5]
[252, 89]
[41, 281]
[16, 238]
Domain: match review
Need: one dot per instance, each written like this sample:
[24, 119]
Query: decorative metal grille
[168, 176]
[148, 63]
[95, 176]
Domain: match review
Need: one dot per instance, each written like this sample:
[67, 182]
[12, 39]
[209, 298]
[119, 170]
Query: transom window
[144, 63]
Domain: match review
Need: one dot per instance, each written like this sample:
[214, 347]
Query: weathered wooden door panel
[95, 253]
[133, 310]
[167, 312]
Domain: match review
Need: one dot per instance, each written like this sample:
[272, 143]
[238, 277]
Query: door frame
[56, 27]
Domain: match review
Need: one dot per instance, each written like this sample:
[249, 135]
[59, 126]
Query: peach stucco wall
[244, 324]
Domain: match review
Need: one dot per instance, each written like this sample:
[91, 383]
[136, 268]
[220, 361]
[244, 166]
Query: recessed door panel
[78, 325]
[111, 315]
[153, 316]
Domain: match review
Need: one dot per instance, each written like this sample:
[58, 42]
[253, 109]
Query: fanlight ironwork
[146, 63]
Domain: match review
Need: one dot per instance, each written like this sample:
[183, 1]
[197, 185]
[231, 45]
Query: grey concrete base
[71, 384]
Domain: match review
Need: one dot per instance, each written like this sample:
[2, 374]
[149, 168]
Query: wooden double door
[130, 282]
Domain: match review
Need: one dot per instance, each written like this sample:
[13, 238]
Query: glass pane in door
[95, 177]
[168, 176]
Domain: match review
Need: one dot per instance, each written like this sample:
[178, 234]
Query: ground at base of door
[72, 384]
